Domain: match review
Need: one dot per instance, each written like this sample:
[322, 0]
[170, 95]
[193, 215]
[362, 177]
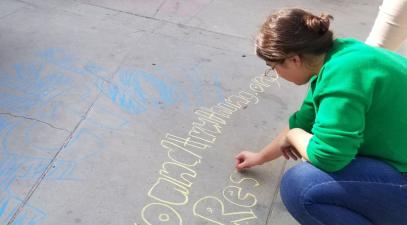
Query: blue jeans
[365, 192]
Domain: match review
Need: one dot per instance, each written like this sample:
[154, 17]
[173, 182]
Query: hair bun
[318, 24]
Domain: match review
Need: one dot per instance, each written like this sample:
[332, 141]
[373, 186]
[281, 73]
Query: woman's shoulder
[354, 65]
[352, 53]
[346, 63]
[350, 50]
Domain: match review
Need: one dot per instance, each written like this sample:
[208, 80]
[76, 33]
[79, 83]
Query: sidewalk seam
[68, 139]
[39, 180]
[276, 193]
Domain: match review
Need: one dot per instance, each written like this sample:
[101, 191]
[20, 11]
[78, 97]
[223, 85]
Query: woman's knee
[297, 180]
[298, 176]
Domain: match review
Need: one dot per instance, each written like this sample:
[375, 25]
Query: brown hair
[293, 31]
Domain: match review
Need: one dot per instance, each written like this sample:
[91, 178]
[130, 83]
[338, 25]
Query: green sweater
[356, 106]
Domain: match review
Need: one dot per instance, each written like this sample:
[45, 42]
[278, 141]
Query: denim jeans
[366, 192]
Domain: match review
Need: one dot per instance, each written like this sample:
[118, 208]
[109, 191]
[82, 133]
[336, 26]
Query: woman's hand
[291, 152]
[246, 159]
[288, 150]
[290, 143]
[299, 140]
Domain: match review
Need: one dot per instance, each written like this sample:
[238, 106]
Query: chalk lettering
[221, 108]
[256, 88]
[176, 193]
[228, 106]
[220, 111]
[237, 101]
[203, 122]
[234, 178]
[157, 213]
[210, 116]
[170, 171]
[248, 96]
[260, 81]
[186, 141]
[233, 194]
[266, 81]
[174, 148]
[212, 209]
[197, 131]
[194, 163]
[174, 185]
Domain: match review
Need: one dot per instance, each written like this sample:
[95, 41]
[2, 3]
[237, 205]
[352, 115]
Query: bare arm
[290, 143]
[270, 152]
[299, 139]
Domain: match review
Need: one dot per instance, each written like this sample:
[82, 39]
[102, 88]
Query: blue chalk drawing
[68, 62]
[121, 97]
[85, 134]
[63, 170]
[197, 87]
[29, 88]
[28, 139]
[23, 167]
[8, 206]
[11, 167]
[27, 167]
[181, 95]
[129, 92]
[37, 87]
[218, 85]
[94, 69]
[20, 167]
[59, 58]
[114, 120]
[134, 79]
[198, 83]
[3, 124]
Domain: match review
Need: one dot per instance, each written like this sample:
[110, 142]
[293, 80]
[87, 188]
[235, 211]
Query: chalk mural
[38, 89]
[177, 175]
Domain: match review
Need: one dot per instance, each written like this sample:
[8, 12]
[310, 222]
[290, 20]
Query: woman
[350, 129]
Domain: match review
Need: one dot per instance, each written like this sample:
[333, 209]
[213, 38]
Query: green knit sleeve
[342, 101]
[305, 116]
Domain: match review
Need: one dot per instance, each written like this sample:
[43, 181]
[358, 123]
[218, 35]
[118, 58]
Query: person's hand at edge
[246, 159]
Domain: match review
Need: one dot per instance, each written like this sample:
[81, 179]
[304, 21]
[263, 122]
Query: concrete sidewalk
[105, 110]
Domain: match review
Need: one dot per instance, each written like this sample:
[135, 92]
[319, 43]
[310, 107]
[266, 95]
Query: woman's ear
[296, 60]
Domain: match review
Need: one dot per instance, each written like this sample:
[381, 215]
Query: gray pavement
[105, 110]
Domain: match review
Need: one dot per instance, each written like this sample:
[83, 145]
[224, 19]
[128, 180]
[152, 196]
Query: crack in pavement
[167, 21]
[64, 145]
[36, 120]
[54, 158]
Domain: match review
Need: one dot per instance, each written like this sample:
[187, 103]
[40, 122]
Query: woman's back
[367, 110]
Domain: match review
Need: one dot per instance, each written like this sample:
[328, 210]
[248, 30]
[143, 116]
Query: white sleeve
[390, 27]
